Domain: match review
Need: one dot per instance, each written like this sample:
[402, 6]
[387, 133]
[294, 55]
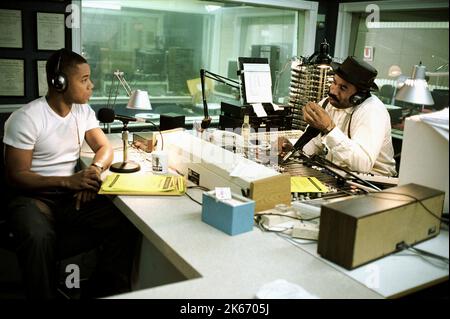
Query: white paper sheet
[276, 107]
[282, 289]
[258, 83]
[258, 108]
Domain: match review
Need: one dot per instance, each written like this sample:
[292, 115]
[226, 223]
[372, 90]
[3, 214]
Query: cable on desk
[264, 228]
[295, 241]
[293, 217]
[193, 199]
[199, 187]
[444, 220]
[424, 254]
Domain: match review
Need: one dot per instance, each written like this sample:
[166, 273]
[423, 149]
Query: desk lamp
[415, 89]
[138, 100]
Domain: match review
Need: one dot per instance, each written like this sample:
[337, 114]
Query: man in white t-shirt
[55, 211]
[354, 127]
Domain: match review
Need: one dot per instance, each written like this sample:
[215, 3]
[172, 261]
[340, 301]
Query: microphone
[207, 119]
[106, 115]
[308, 135]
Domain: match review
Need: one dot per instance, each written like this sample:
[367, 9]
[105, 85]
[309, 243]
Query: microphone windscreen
[106, 115]
[308, 135]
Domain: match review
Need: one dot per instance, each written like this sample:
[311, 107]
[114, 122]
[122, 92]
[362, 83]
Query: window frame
[346, 11]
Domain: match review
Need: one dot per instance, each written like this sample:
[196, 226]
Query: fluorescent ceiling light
[112, 5]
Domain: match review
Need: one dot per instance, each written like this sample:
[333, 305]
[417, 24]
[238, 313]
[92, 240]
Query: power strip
[307, 210]
[277, 220]
[306, 231]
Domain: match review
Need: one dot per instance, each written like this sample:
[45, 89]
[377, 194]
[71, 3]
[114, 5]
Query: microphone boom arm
[219, 78]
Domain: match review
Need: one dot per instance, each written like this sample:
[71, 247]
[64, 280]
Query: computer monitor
[424, 157]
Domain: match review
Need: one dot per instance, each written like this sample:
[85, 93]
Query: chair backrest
[6, 240]
[440, 98]
[386, 92]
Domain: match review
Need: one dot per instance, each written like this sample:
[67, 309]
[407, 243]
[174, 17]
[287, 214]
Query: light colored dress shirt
[361, 140]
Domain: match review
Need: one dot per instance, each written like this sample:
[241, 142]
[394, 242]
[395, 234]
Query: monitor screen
[424, 157]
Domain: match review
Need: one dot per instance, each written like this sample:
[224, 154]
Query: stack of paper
[143, 184]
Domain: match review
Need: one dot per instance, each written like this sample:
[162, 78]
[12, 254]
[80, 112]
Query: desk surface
[223, 266]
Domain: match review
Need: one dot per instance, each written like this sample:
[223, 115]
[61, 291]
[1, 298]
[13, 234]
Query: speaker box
[170, 121]
[356, 231]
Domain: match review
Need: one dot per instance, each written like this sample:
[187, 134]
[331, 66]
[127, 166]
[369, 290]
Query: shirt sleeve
[91, 120]
[20, 131]
[361, 151]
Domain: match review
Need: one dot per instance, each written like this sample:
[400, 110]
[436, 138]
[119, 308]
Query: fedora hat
[357, 72]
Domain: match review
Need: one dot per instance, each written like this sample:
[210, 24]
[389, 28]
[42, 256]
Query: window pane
[402, 40]
[161, 45]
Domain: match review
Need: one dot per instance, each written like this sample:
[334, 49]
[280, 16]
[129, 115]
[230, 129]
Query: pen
[114, 181]
[314, 183]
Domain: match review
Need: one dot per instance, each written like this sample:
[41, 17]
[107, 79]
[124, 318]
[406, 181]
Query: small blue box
[234, 216]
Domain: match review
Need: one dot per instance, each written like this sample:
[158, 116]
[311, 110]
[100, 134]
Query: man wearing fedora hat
[354, 127]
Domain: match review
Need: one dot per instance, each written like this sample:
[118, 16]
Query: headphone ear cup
[59, 82]
[357, 98]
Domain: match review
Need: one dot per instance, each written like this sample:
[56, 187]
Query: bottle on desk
[245, 133]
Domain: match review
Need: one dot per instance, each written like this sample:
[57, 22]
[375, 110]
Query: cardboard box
[146, 141]
[234, 216]
[356, 231]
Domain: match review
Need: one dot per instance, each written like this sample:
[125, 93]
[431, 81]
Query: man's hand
[86, 179]
[317, 117]
[83, 197]
[284, 146]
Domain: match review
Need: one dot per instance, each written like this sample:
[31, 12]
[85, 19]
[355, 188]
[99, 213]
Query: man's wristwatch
[98, 165]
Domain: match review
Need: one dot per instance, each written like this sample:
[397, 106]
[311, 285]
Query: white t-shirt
[55, 140]
[369, 148]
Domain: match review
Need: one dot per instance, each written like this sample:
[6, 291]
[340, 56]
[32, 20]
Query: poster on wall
[12, 83]
[41, 77]
[50, 31]
[11, 28]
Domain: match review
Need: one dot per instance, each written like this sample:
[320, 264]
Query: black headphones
[59, 79]
[359, 97]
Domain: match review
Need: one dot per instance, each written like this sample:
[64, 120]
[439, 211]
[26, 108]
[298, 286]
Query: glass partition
[401, 40]
[161, 46]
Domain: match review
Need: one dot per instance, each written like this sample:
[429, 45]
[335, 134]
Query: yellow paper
[301, 184]
[143, 184]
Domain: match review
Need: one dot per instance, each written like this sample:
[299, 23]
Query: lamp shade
[415, 89]
[139, 100]
[394, 71]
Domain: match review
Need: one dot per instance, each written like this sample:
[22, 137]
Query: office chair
[385, 93]
[86, 259]
[440, 98]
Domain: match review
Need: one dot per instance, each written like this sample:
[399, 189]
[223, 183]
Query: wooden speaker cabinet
[356, 231]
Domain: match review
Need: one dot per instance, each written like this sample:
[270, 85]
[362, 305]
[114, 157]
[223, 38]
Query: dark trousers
[44, 239]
